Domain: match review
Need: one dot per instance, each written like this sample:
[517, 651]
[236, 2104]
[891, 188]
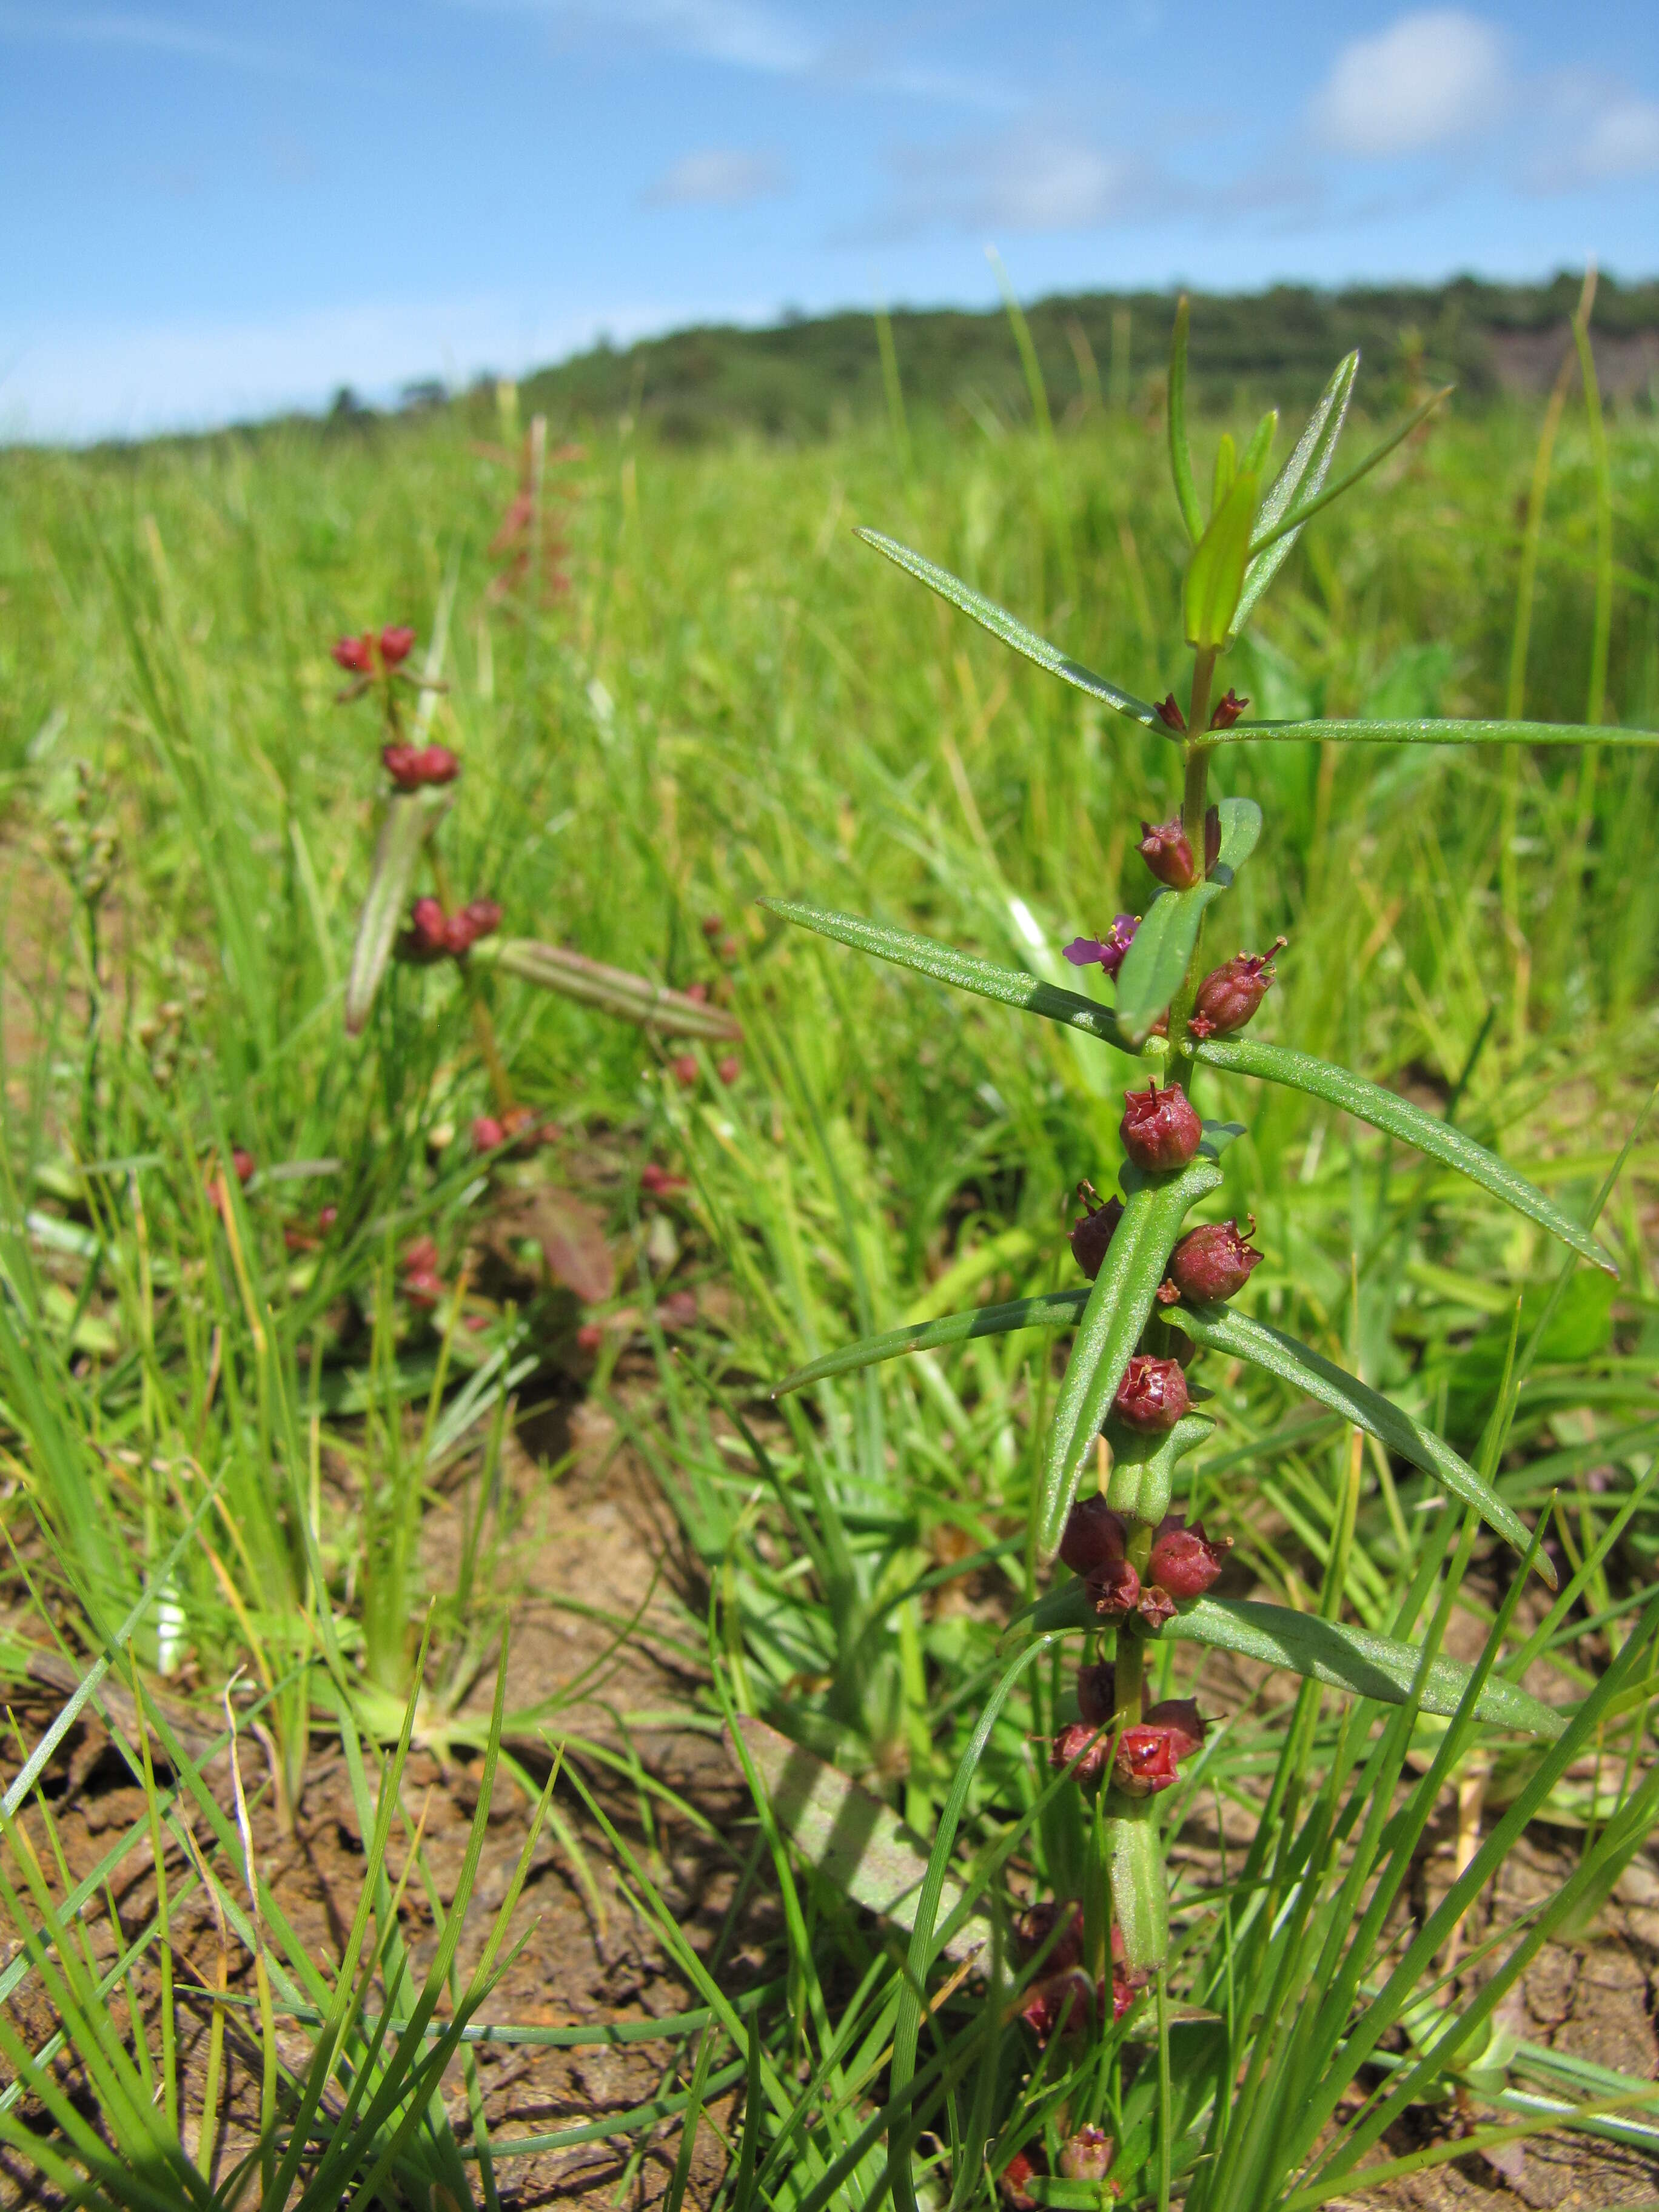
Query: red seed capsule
[1184, 1561]
[403, 764]
[1096, 1692]
[1092, 1539]
[1229, 995]
[1168, 713]
[1149, 1755]
[1152, 1396]
[1228, 710]
[243, 1162]
[1211, 1262]
[1093, 1233]
[438, 764]
[1160, 1129]
[1167, 850]
[487, 1133]
[395, 644]
[1086, 2156]
[354, 654]
[1087, 1745]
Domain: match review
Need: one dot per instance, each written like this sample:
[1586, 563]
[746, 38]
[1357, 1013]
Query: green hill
[804, 377]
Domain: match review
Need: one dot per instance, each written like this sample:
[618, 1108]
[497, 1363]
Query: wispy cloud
[718, 176]
[747, 35]
[146, 33]
[1037, 177]
[1432, 79]
[1592, 130]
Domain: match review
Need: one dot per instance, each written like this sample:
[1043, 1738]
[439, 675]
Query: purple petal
[1085, 952]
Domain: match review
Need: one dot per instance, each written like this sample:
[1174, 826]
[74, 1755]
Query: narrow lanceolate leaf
[1157, 962]
[1215, 575]
[852, 1838]
[1011, 631]
[1310, 503]
[1218, 1329]
[1330, 1652]
[1426, 732]
[1060, 1310]
[1153, 1211]
[1398, 1117]
[1009, 986]
[632, 998]
[408, 823]
[1301, 476]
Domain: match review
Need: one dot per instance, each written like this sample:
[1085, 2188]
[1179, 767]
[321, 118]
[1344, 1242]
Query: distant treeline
[807, 376]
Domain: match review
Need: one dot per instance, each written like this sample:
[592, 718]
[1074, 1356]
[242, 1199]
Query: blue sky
[219, 209]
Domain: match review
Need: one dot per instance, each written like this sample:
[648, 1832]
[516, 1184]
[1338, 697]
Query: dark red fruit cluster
[411, 767]
[435, 935]
[422, 1285]
[1094, 1545]
[363, 656]
[1051, 1936]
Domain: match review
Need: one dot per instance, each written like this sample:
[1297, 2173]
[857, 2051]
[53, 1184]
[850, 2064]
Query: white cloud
[1431, 79]
[739, 32]
[1598, 132]
[1035, 179]
[81, 380]
[718, 177]
[145, 33]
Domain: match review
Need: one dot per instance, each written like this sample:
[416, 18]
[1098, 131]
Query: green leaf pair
[1109, 1321]
[1329, 1651]
[1270, 1063]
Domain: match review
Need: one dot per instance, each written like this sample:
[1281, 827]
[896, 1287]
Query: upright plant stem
[483, 1028]
[1601, 632]
[1526, 586]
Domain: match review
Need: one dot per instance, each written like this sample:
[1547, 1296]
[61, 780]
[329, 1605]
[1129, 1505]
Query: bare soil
[602, 1538]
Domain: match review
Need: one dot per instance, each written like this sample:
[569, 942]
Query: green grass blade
[1181, 453]
[1013, 632]
[1157, 962]
[631, 998]
[1477, 732]
[1398, 1117]
[1218, 1329]
[907, 2028]
[1308, 465]
[408, 822]
[1123, 1294]
[965, 971]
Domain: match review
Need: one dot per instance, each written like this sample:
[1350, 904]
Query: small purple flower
[1108, 952]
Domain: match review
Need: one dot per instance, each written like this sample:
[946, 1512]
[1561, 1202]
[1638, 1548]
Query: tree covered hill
[806, 375]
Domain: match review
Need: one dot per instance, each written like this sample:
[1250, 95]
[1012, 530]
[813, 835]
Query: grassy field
[230, 1431]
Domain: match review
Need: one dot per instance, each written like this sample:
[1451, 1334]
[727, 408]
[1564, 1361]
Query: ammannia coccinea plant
[1160, 1280]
